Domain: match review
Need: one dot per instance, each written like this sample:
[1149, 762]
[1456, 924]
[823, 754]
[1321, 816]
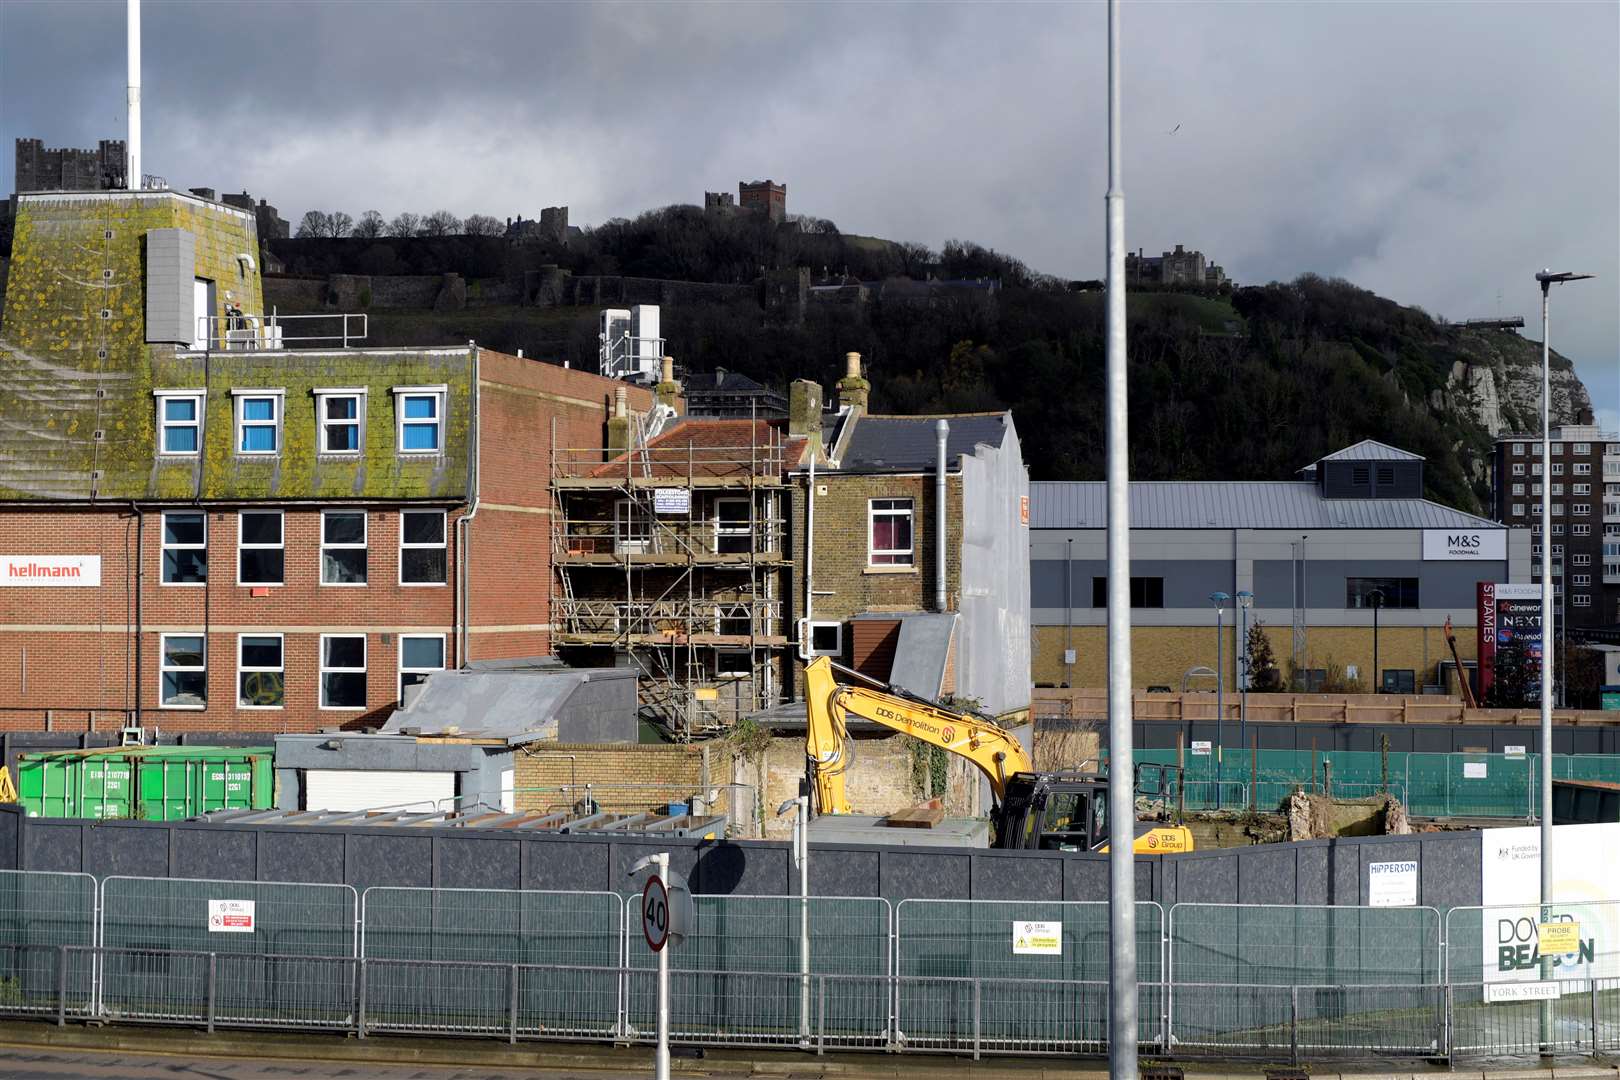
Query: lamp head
[1245, 599]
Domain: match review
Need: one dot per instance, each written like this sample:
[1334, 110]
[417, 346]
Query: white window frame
[443, 544]
[1580, 489]
[440, 394]
[1558, 489]
[720, 530]
[1557, 448]
[278, 407]
[1580, 560]
[164, 667]
[199, 401]
[871, 523]
[810, 639]
[1579, 580]
[1581, 468]
[1580, 509]
[632, 528]
[322, 396]
[363, 545]
[1535, 509]
[164, 547]
[1580, 600]
[1582, 448]
[282, 671]
[1580, 529]
[363, 669]
[1558, 468]
[1518, 509]
[1518, 449]
[1518, 489]
[1558, 529]
[281, 515]
[401, 670]
[1535, 468]
[1518, 468]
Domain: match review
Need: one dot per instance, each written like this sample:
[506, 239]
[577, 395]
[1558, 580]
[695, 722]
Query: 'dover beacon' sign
[1466, 545]
[50, 571]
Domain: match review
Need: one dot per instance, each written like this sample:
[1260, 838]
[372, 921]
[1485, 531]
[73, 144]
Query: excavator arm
[996, 752]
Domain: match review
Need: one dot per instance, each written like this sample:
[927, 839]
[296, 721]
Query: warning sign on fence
[1038, 938]
[230, 916]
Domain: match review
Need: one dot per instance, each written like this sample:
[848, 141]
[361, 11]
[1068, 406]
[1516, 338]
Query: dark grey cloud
[1438, 153]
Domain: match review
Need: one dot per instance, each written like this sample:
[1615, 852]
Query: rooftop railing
[247, 333]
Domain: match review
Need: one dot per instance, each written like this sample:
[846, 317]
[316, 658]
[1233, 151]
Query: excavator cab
[1068, 812]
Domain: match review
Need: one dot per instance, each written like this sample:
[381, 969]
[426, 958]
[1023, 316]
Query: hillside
[1247, 383]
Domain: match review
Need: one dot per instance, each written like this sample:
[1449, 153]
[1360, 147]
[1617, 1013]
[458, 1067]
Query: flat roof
[1239, 504]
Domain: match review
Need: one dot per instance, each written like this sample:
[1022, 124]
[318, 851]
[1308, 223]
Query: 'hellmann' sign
[50, 571]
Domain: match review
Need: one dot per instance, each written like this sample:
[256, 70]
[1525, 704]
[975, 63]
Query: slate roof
[1372, 450]
[904, 444]
[516, 706]
[731, 382]
[1269, 504]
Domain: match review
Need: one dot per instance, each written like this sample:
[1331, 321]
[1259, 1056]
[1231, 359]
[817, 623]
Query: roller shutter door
[365, 789]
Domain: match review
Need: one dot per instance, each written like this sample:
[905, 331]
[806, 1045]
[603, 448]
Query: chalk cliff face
[1500, 387]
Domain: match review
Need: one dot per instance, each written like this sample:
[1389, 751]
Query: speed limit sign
[655, 913]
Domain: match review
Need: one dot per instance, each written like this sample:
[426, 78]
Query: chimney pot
[621, 402]
[669, 369]
[852, 365]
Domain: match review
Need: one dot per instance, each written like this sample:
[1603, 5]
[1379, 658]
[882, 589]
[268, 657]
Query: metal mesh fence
[760, 934]
[1266, 945]
[39, 913]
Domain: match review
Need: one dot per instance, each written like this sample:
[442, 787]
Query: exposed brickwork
[622, 778]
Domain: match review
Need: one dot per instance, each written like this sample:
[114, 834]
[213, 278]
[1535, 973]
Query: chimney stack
[668, 390]
[618, 425]
[804, 409]
[853, 391]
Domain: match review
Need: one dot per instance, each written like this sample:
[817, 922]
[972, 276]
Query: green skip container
[149, 783]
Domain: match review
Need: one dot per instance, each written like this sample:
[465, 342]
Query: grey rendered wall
[171, 260]
[1440, 584]
[478, 769]
[1326, 872]
[602, 709]
[992, 662]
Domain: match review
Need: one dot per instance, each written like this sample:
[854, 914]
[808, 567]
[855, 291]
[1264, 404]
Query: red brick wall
[79, 644]
[509, 543]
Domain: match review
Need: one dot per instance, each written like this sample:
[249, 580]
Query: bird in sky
[1175, 129]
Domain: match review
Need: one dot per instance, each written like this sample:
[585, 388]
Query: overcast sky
[1436, 153]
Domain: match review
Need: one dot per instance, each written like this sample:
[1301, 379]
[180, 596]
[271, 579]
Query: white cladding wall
[992, 660]
[362, 789]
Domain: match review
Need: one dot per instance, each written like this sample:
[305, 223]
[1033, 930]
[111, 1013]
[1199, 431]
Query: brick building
[214, 521]
[1585, 529]
[870, 588]
[761, 197]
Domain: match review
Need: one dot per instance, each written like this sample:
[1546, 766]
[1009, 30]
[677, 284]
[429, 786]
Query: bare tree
[405, 225]
[441, 223]
[482, 225]
[370, 226]
[314, 223]
[338, 224]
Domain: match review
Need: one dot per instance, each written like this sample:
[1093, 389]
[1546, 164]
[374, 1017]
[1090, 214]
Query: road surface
[65, 1064]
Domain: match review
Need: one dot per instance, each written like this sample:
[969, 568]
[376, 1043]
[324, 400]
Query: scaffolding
[673, 554]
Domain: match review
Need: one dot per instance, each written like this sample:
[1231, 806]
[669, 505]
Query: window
[1580, 489]
[179, 421]
[1580, 509]
[1535, 468]
[1580, 579]
[1400, 681]
[826, 639]
[1395, 592]
[1518, 449]
[889, 533]
[732, 664]
[1518, 489]
[1518, 468]
[343, 547]
[1558, 509]
[1535, 530]
[1580, 530]
[420, 410]
[632, 528]
[1518, 509]
[260, 555]
[260, 671]
[1535, 449]
[1558, 468]
[1535, 551]
[1581, 560]
[258, 421]
[733, 529]
[1580, 599]
[1146, 592]
[1558, 550]
[1558, 489]
[343, 671]
[420, 655]
[1535, 509]
[1557, 448]
[339, 415]
[1583, 448]
[1558, 528]
[1535, 489]
[183, 679]
[423, 558]
[185, 548]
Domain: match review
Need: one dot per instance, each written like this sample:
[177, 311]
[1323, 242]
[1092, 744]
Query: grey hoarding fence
[39, 912]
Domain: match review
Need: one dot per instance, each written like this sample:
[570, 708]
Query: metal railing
[244, 333]
[955, 976]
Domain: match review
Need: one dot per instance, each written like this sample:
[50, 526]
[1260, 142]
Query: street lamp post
[1068, 615]
[1220, 600]
[1547, 279]
[1245, 600]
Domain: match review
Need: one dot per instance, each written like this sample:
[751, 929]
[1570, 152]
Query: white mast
[132, 179]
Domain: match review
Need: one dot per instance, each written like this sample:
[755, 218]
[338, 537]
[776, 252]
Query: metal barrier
[40, 912]
[251, 332]
[203, 915]
[1304, 945]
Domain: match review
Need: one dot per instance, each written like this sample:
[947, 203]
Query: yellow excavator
[1063, 811]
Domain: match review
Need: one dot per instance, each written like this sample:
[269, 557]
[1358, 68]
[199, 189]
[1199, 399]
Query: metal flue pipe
[132, 165]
